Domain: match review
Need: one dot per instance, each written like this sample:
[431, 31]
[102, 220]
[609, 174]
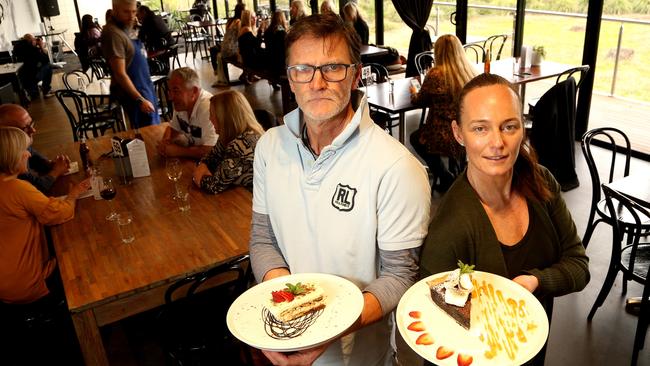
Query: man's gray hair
[189, 76]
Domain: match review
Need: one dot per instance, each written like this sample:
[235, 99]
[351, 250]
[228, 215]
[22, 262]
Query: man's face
[322, 100]
[182, 96]
[19, 118]
[125, 14]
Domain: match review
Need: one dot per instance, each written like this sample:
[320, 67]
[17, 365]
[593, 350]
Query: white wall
[20, 17]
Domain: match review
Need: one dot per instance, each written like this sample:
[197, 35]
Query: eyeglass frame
[319, 68]
[30, 127]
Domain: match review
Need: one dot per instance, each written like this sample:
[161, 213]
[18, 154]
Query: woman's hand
[529, 282]
[77, 190]
[200, 171]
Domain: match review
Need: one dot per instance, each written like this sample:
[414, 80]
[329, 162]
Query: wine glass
[108, 192]
[174, 172]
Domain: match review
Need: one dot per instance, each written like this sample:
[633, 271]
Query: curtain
[415, 14]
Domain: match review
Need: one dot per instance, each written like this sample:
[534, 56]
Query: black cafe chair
[192, 323]
[424, 61]
[630, 256]
[85, 115]
[618, 143]
[494, 45]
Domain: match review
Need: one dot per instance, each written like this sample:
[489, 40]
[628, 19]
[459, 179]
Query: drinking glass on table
[174, 172]
[108, 192]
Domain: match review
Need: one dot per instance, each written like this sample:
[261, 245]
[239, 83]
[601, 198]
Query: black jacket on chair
[553, 132]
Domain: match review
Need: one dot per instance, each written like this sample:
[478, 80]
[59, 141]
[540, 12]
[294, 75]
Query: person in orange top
[25, 261]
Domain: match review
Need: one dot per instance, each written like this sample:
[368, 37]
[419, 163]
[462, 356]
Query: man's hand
[199, 172]
[147, 107]
[529, 282]
[301, 358]
[60, 166]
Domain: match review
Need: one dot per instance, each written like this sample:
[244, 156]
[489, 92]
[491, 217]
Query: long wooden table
[106, 280]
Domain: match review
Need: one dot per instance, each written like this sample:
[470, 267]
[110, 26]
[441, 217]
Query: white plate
[343, 305]
[444, 331]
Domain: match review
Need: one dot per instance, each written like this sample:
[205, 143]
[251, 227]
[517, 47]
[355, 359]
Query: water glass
[125, 225]
[183, 200]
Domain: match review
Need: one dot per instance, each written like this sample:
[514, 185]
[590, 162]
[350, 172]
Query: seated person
[32, 52]
[86, 42]
[352, 16]
[274, 38]
[228, 48]
[439, 93]
[250, 44]
[327, 7]
[41, 171]
[230, 163]
[190, 133]
[296, 11]
[154, 32]
[505, 213]
[29, 279]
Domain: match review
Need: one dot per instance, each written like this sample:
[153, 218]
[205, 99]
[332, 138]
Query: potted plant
[539, 53]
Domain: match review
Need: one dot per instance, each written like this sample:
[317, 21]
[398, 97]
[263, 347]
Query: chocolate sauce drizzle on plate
[286, 330]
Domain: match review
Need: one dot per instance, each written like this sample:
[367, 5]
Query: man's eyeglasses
[30, 127]
[330, 72]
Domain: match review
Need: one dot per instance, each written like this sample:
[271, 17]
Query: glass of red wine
[108, 192]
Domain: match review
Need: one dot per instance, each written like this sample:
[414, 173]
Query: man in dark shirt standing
[126, 56]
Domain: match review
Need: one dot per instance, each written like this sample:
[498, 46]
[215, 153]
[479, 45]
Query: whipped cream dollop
[457, 287]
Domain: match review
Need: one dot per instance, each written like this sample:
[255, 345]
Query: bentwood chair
[621, 150]
[99, 68]
[424, 61]
[85, 115]
[630, 256]
[192, 323]
[494, 45]
[475, 52]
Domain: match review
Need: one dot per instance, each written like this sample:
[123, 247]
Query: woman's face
[491, 130]
[22, 164]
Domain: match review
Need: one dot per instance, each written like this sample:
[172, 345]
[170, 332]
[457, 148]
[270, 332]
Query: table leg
[89, 338]
[402, 124]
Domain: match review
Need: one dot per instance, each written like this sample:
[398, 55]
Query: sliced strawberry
[282, 296]
[444, 352]
[464, 360]
[416, 326]
[424, 339]
[415, 314]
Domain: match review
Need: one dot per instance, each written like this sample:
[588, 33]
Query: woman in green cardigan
[504, 214]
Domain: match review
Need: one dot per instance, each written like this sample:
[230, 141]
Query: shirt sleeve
[226, 167]
[43, 183]
[398, 271]
[209, 135]
[112, 44]
[47, 210]
[571, 272]
[263, 247]
[431, 87]
[259, 173]
[403, 206]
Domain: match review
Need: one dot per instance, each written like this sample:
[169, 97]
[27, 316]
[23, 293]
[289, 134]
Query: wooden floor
[607, 340]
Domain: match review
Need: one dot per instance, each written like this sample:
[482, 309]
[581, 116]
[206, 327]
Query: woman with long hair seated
[296, 11]
[274, 38]
[439, 92]
[352, 16]
[250, 44]
[230, 163]
[504, 214]
[27, 270]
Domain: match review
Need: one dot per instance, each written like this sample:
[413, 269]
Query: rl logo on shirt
[343, 199]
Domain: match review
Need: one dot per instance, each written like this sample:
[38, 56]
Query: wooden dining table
[106, 280]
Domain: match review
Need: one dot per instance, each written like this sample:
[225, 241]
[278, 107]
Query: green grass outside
[563, 40]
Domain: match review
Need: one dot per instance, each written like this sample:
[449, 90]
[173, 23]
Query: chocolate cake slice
[460, 314]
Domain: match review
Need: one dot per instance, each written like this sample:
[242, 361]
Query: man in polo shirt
[190, 132]
[333, 193]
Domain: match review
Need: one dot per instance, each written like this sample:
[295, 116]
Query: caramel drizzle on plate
[505, 320]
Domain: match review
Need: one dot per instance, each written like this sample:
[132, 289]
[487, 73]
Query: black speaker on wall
[48, 8]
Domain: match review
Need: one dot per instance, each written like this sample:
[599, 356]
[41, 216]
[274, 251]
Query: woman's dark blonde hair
[13, 142]
[451, 61]
[234, 116]
[527, 177]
